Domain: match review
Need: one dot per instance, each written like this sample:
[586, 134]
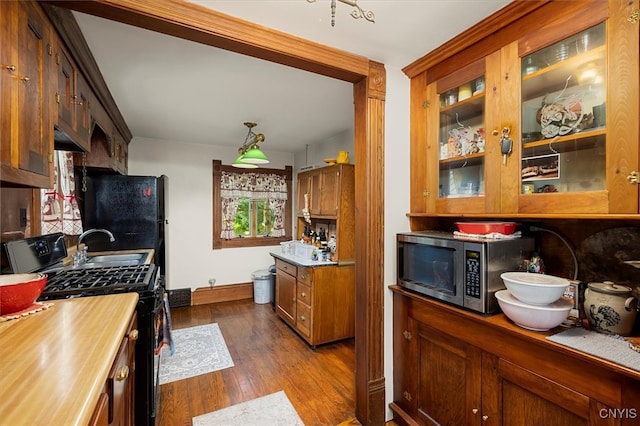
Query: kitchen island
[498, 372]
[55, 363]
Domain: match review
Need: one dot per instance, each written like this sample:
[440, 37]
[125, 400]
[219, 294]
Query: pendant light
[250, 155]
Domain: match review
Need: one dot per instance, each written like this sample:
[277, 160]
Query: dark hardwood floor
[268, 357]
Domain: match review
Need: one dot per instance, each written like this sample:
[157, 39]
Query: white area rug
[270, 410]
[198, 350]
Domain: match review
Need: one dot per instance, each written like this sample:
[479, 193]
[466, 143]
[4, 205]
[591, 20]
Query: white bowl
[534, 289]
[533, 317]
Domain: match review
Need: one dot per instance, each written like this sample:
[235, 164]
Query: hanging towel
[163, 327]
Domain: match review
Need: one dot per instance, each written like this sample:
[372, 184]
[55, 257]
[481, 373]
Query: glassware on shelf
[462, 140]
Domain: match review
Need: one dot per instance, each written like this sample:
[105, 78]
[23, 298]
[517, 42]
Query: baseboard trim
[222, 293]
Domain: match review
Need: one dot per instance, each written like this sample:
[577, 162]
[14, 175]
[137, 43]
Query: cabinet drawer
[303, 320]
[305, 275]
[304, 294]
[286, 267]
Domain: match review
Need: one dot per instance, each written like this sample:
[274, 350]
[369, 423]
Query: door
[286, 297]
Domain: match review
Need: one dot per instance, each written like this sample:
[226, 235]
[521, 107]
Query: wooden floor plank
[268, 357]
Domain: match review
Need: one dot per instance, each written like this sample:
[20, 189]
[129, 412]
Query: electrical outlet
[212, 281]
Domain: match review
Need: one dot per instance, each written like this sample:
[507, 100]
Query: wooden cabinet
[455, 367]
[27, 103]
[330, 193]
[286, 281]
[73, 98]
[538, 88]
[120, 381]
[317, 302]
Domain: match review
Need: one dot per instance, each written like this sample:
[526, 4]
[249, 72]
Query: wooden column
[369, 98]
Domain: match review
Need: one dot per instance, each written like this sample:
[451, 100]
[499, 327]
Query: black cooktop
[94, 281]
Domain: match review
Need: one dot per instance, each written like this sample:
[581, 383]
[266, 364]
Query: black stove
[96, 281]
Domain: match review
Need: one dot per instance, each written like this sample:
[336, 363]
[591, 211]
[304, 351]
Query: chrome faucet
[81, 255]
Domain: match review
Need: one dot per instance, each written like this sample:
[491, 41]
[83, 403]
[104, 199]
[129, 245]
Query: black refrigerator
[132, 208]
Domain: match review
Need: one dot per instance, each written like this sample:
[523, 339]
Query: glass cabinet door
[462, 140]
[564, 115]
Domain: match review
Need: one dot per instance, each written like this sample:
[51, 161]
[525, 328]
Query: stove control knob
[133, 335]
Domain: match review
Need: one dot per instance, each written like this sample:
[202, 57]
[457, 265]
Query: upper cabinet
[72, 95]
[50, 86]
[27, 104]
[328, 193]
[540, 118]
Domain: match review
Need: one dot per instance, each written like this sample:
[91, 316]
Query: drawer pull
[123, 373]
[303, 276]
[302, 318]
[133, 336]
[303, 294]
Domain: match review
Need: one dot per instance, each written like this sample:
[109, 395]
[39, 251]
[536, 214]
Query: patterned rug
[270, 410]
[198, 350]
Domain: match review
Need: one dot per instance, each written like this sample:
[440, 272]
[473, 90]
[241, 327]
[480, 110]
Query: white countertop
[302, 261]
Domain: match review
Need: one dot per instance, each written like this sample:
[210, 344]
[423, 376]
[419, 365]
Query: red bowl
[19, 291]
[483, 228]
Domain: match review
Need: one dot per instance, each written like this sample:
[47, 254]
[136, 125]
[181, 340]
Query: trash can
[272, 269]
[262, 286]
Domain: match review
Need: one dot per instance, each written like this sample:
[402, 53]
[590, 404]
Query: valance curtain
[255, 186]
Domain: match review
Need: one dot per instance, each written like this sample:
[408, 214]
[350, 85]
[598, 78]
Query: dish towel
[610, 347]
[163, 327]
[36, 307]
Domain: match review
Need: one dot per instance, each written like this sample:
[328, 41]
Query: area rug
[270, 410]
[198, 350]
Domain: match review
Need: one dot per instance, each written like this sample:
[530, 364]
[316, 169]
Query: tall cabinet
[539, 118]
[318, 299]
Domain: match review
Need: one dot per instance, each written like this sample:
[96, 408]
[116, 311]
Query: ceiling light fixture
[356, 13]
[250, 154]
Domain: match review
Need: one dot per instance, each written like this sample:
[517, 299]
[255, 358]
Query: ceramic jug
[610, 308]
[343, 157]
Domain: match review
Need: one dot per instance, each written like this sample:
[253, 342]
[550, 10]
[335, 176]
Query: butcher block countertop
[54, 363]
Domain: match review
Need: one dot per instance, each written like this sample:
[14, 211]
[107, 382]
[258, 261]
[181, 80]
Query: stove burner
[95, 281]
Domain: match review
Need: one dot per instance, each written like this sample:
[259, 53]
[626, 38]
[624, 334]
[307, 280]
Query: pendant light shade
[250, 154]
[242, 164]
[255, 156]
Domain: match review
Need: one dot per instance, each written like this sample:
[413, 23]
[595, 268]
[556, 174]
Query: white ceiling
[168, 88]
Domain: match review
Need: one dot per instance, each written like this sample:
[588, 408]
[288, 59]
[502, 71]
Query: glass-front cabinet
[544, 123]
[563, 116]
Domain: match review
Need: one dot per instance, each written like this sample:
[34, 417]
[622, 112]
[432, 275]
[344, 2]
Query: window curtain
[60, 211]
[255, 186]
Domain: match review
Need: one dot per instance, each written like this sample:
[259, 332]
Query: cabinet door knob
[133, 336]
[633, 178]
[407, 334]
[303, 294]
[11, 68]
[484, 418]
[123, 373]
[474, 411]
[302, 318]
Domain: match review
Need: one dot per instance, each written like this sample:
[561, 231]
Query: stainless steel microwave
[459, 270]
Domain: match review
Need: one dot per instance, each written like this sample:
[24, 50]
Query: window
[251, 207]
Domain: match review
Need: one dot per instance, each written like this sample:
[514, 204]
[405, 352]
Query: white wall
[191, 261]
[396, 201]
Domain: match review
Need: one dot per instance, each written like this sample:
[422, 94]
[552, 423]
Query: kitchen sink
[118, 259]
